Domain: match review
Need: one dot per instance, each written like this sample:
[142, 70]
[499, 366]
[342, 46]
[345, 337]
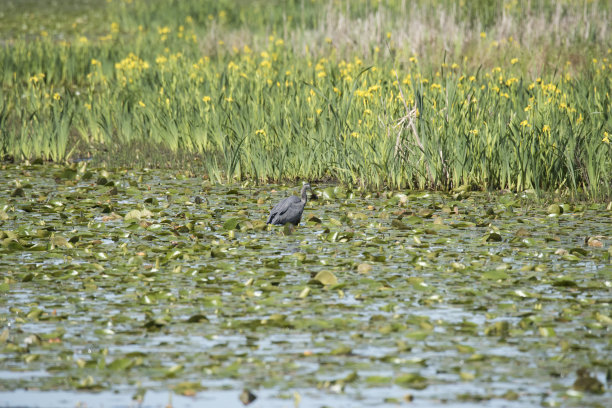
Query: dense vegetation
[122, 283]
[143, 144]
[489, 94]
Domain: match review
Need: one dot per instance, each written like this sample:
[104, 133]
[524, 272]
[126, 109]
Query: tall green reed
[269, 111]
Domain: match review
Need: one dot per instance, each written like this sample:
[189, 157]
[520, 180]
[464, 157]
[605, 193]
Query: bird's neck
[304, 195]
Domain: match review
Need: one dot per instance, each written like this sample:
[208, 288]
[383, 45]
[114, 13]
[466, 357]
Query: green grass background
[403, 94]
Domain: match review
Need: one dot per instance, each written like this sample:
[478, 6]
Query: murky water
[373, 300]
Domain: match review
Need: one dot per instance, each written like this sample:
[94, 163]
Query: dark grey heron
[290, 209]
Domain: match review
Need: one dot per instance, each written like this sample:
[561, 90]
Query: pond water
[150, 288]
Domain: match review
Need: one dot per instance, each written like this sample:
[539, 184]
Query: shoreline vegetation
[396, 94]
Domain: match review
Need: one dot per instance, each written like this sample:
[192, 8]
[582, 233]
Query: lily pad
[586, 382]
[231, 224]
[326, 278]
[411, 380]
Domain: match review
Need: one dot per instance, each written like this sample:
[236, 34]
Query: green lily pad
[587, 383]
[188, 388]
[555, 209]
[411, 380]
[197, 319]
[326, 278]
[231, 224]
[495, 275]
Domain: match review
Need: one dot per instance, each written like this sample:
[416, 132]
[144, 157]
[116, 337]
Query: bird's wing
[282, 207]
[287, 203]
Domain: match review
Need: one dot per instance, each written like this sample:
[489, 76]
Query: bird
[290, 209]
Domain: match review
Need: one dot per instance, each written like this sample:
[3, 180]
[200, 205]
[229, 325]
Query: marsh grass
[397, 94]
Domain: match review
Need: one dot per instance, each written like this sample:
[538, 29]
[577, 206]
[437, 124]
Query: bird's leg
[288, 229]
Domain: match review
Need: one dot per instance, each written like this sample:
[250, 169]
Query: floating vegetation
[120, 280]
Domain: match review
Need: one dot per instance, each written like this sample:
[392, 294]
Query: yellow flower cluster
[130, 68]
[319, 83]
[34, 79]
[131, 63]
